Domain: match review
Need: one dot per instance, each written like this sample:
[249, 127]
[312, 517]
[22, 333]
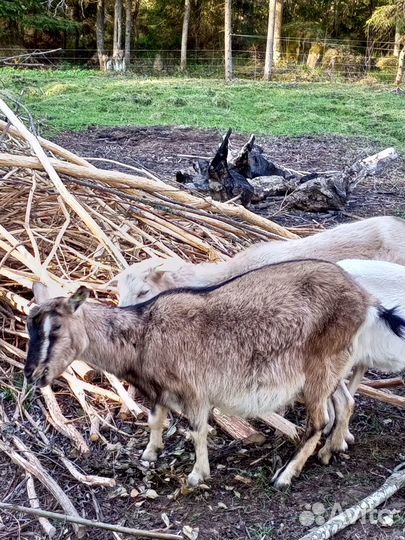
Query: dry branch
[381, 395]
[89, 522]
[392, 484]
[48, 528]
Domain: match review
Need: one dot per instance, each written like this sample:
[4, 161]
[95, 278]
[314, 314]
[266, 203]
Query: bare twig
[89, 523]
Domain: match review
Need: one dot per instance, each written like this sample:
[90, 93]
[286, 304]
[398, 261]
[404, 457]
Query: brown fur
[248, 346]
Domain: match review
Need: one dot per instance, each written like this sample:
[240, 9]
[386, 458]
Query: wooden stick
[238, 428]
[115, 178]
[49, 529]
[60, 422]
[40, 473]
[385, 383]
[89, 522]
[392, 484]
[283, 425]
[136, 410]
[88, 479]
[48, 145]
[59, 185]
[386, 397]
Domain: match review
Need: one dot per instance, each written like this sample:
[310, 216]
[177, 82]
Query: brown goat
[247, 346]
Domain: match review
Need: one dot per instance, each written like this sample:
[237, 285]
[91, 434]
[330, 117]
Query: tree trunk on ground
[128, 32]
[228, 40]
[268, 64]
[399, 79]
[278, 25]
[100, 28]
[184, 35]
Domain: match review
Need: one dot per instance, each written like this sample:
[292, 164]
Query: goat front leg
[156, 421]
[198, 432]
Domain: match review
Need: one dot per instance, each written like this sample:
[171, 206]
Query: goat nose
[28, 372]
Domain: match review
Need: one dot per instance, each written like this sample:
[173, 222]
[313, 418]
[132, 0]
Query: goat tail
[392, 318]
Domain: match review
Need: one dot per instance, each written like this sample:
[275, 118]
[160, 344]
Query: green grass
[77, 99]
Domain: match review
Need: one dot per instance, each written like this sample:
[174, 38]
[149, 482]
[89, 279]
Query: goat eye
[143, 293]
[46, 371]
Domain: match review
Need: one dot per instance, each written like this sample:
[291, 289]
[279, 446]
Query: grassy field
[75, 100]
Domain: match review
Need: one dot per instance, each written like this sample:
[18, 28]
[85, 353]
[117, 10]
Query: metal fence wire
[296, 58]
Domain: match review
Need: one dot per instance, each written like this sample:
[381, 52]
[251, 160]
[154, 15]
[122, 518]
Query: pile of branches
[66, 223]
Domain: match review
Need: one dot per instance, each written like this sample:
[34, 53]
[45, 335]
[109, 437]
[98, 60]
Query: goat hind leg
[318, 419]
[336, 442]
[156, 421]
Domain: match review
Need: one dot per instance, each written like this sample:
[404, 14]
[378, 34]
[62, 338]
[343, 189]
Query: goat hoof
[281, 480]
[149, 455]
[325, 455]
[194, 478]
[349, 438]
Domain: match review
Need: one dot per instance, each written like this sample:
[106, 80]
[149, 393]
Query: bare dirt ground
[162, 150]
[238, 502]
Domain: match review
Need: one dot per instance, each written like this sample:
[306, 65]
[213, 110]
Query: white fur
[45, 343]
[380, 238]
[377, 346]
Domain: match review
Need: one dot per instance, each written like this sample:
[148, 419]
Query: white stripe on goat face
[46, 328]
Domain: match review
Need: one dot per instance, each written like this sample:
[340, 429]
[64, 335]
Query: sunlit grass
[78, 99]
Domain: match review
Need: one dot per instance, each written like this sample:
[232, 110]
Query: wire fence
[296, 59]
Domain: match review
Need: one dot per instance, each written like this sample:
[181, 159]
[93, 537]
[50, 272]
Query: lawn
[77, 99]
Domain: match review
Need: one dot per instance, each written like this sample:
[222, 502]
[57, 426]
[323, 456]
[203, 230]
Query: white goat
[380, 238]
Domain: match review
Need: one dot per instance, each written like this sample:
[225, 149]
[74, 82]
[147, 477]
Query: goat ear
[112, 283]
[77, 298]
[41, 293]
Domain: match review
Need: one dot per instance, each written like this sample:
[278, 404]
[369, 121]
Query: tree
[399, 22]
[228, 41]
[277, 31]
[184, 35]
[268, 62]
[128, 32]
[100, 28]
[117, 61]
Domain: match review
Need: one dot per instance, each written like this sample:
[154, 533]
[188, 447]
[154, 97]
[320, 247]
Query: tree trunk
[228, 40]
[401, 68]
[398, 26]
[117, 38]
[268, 64]
[128, 32]
[135, 21]
[277, 31]
[100, 27]
[117, 61]
[184, 35]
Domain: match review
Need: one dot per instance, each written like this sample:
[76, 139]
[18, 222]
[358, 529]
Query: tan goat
[247, 346]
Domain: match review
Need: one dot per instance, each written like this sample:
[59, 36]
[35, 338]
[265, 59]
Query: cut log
[381, 395]
[279, 423]
[238, 428]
